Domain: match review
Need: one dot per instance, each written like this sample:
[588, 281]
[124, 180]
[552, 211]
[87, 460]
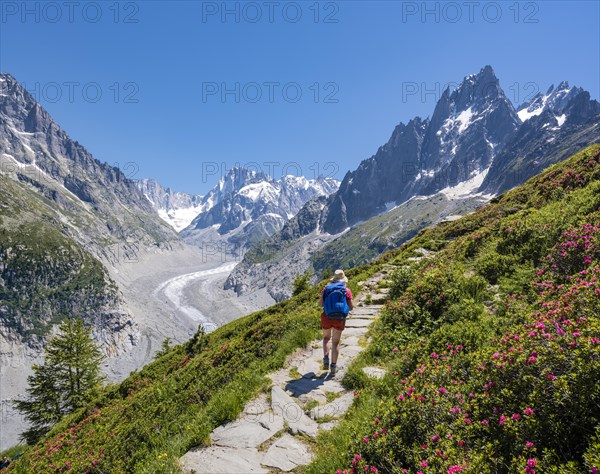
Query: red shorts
[327, 323]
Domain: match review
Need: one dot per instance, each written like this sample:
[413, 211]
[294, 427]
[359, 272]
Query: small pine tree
[165, 348]
[301, 283]
[63, 383]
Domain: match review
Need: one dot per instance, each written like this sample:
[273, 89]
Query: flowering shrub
[577, 249]
[424, 300]
[530, 400]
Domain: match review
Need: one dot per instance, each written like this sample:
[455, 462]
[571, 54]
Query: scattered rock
[374, 372]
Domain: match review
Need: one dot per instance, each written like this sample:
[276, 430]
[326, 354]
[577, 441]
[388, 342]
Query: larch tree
[64, 382]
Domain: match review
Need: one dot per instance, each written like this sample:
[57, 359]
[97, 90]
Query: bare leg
[337, 335]
[326, 339]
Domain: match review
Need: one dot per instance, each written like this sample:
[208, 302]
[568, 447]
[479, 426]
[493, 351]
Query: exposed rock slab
[379, 298]
[331, 385]
[318, 395]
[369, 316]
[358, 323]
[328, 426]
[335, 408]
[256, 406]
[284, 405]
[350, 352]
[350, 341]
[355, 332]
[287, 453]
[248, 433]
[310, 365]
[221, 460]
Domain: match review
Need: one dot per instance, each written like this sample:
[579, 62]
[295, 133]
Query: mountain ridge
[101, 200]
[246, 206]
[473, 147]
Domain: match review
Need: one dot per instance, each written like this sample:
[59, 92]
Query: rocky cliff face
[555, 126]
[60, 209]
[468, 128]
[98, 204]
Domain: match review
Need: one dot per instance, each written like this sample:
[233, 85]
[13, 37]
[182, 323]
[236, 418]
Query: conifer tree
[300, 283]
[63, 383]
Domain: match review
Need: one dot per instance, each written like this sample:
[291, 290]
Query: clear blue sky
[361, 68]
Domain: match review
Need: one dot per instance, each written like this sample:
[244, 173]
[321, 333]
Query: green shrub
[491, 265]
[400, 279]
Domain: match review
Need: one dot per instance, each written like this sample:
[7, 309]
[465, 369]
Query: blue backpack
[334, 301]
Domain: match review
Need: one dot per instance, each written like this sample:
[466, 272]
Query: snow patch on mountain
[555, 100]
[177, 209]
[467, 187]
[533, 110]
[464, 119]
[255, 191]
[179, 219]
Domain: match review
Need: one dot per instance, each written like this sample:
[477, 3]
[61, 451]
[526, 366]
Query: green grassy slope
[492, 347]
[148, 421]
[464, 296]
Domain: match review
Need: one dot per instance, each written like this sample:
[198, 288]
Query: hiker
[336, 300]
[5, 462]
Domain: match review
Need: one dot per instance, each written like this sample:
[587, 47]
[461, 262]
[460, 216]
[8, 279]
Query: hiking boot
[325, 363]
[332, 369]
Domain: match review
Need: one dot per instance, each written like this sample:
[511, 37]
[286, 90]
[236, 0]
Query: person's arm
[321, 299]
[349, 300]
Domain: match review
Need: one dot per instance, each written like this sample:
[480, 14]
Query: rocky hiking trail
[275, 430]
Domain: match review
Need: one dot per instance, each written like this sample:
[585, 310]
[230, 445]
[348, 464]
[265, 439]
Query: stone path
[274, 431]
